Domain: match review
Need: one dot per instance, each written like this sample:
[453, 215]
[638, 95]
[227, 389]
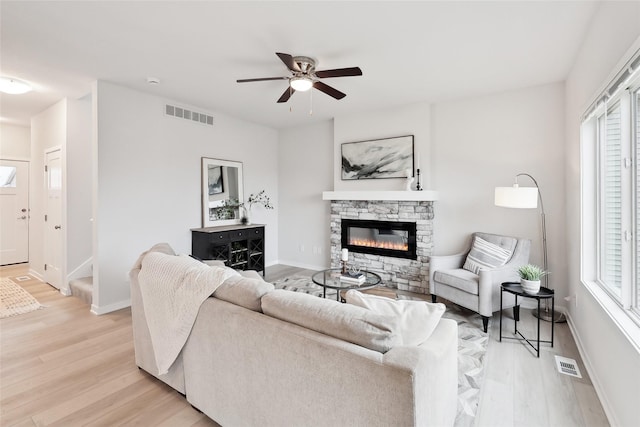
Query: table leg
[515, 322]
[553, 310]
[501, 291]
[538, 349]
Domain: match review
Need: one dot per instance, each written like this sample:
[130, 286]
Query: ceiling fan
[304, 76]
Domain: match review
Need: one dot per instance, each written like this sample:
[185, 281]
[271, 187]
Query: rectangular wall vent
[567, 366]
[186, 114]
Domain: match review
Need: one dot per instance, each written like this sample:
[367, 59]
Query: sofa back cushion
[344, 321]
[243, 291]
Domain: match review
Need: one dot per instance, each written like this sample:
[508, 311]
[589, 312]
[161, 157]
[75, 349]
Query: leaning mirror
[221, 192]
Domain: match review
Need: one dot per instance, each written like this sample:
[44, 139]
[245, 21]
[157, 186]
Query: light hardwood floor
[63, 366]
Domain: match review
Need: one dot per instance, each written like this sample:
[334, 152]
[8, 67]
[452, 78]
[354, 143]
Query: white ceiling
[408, 51]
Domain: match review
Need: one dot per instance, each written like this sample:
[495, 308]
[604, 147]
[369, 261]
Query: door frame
[64, 283]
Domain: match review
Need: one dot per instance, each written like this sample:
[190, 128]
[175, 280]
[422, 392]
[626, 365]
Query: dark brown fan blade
[339, 72]
[329, 90]
[287, 94]
[261, 79]
[288, 61]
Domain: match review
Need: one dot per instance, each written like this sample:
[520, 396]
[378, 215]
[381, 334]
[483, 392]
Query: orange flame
[396, 246]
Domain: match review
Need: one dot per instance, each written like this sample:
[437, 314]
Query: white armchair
[478, 292]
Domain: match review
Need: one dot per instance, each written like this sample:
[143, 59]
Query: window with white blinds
[615, 130]
[610, 214]
[610, 198]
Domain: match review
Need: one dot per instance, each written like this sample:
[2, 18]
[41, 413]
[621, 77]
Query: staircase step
[82, 288]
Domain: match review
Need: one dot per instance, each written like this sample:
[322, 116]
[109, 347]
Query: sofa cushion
[458, 278]
[243, 291]
[485, 254]
[344, 321]
[418, 319]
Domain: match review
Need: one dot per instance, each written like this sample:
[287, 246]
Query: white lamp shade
[517, 197]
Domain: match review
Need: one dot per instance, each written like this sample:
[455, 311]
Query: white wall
[79, 187]
[407, 120]
[481, 143]
[15, 142]
[306, 170]
[466, 149]
[48, 129]
[148, 181]
[614, 362]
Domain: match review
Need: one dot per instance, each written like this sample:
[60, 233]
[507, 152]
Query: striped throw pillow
[485, 255]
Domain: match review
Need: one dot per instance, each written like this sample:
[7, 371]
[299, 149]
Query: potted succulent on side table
[530, 276]
[255, 199]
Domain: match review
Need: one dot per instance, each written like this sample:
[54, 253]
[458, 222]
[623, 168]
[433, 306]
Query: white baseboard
[592, 372]
[65, 291]
[36, 274]
[302, 265]
[110, 308]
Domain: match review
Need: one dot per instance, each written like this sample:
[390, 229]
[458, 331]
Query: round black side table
[544, 293]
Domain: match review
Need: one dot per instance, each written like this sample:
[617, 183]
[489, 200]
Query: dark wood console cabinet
[239, 246]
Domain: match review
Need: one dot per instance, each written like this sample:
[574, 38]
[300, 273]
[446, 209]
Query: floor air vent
[567, 366]
[184, 113]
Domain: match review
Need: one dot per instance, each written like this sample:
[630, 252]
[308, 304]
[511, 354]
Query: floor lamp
[527, 198]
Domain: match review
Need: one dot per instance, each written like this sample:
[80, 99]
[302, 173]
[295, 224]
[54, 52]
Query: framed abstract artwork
[377, 158]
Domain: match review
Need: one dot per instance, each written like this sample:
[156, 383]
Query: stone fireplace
[408, 273]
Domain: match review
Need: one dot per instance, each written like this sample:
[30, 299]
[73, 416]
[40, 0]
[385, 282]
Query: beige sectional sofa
[263, 357]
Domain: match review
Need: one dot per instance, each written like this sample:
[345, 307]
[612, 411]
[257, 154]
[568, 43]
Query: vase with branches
[259, 198]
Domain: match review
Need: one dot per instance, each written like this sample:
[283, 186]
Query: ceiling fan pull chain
[311, 103]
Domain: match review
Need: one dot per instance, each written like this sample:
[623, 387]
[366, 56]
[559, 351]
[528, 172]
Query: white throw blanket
[173, 288]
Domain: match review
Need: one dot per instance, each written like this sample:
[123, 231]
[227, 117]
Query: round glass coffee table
[330, 278]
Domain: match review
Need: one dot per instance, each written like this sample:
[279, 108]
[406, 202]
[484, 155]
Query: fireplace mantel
[411, 196]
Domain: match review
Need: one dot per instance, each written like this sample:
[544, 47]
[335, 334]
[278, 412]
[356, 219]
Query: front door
[53, 219]
[14, 212]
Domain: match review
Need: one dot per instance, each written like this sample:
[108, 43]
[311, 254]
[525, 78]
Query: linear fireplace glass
[387, 238]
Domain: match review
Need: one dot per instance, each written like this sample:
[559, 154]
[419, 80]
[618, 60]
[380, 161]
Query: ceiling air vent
[186, 114]
[567, 366]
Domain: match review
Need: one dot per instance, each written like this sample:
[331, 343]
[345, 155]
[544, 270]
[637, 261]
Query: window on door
[8, 176]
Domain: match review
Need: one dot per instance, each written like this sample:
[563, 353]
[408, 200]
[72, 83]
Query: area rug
[14, 300]
[472, 349]
[472, 346]
[304, 284]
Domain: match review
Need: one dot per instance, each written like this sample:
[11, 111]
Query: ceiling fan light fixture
[13, 86]
[301, 84]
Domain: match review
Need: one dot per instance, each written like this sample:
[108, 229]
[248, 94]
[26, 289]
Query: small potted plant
[530, 276]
